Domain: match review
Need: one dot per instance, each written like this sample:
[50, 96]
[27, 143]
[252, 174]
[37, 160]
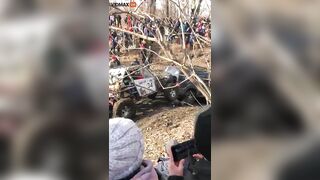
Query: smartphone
[182, 150]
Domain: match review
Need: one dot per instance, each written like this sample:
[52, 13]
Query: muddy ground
[160, 122]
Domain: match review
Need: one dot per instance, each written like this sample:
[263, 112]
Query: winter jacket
[176, 178]
[146, 31]
[195, 170]
[147, 172]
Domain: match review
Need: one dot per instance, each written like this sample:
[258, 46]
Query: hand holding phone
[182, 150]
[175, 168]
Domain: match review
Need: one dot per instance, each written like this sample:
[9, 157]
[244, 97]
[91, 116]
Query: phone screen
[182, 150]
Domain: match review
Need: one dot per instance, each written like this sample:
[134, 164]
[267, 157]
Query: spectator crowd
[171, 30]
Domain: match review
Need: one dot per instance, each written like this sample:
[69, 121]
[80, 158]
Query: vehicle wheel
[172, 93]
[110, 111]
[188, 97]
[124, 108]
[152, 96]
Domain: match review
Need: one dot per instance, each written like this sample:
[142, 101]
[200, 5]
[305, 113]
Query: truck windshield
[172, 71]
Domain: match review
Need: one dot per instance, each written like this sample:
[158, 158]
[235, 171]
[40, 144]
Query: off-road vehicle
[187, 92]
[127, 85]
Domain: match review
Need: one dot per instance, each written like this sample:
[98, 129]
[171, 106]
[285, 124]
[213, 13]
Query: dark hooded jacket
[199, 170]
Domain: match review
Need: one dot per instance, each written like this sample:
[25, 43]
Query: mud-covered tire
[153, 96]
[124, 108]
[188, 98]
[110, 111]
[172, 93]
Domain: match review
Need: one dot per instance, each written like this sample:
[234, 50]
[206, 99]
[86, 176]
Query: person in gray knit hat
[126, 148]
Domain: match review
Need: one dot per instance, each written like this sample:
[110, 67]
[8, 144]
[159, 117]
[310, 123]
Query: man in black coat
[197, 166]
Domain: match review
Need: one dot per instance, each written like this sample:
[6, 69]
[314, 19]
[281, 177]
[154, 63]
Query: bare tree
[198, 7]
[186, 63]
[167, 8]
[152, 6]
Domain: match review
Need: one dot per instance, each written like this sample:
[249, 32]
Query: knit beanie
[126, 148]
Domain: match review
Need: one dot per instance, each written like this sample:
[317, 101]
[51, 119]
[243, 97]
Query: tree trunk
[167, 8]
[198, 7]
[152, 7]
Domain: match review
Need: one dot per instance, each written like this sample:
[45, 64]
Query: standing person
[110, 42]
[162, 30]
[187, 31]
[126, 40]
[199, 25]
[207, 31]
[153, 31]
[177, 26]
[133, 20]
[203, 30]
[129, 23]
[115, 62]
[131, 41]
[126, 148]
[191, 40]
[113, 41]
[140, 27]
[119, 21]
[111, 20]
[116, 20]
[167, 33]
[146, 30]
[115, 48]
[177, 30]
[143, 51]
